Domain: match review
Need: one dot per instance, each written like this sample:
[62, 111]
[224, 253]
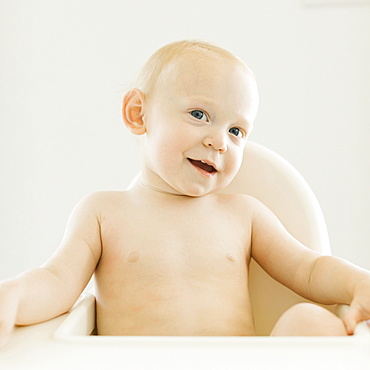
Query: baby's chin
[196, 192]
[193, 192]
[186, 187]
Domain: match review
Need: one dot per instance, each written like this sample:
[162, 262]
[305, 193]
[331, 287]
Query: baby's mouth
[202, 165]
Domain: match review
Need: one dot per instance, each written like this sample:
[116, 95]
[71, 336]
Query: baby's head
[195, 103]
[163, 57]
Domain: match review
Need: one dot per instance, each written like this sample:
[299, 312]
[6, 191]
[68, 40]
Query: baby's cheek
[234, 166]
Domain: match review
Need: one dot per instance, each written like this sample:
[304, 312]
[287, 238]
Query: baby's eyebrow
[201, 99]
[244, 122]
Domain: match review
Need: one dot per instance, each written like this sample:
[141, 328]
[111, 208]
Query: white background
[65, 65]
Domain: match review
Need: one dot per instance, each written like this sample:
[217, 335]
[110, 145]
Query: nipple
[133, 257]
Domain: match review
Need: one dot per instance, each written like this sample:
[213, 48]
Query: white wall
[64, 66]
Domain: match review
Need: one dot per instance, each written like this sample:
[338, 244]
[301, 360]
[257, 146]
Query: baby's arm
[43, 293]
[322, 279]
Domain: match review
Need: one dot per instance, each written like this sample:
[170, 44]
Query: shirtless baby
[171, 254]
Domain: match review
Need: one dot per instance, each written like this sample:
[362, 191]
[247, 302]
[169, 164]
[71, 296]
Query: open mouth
[203, 166]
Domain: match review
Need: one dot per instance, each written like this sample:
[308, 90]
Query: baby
[171, 255]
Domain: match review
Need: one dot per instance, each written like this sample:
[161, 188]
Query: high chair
[272, 180]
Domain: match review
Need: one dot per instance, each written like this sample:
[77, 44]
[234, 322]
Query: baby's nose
[217, 142]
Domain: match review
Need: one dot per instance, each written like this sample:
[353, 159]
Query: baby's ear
[133, 112]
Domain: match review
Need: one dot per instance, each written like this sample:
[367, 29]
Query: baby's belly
[175, 308]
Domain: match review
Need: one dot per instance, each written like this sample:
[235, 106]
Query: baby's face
[197, 120]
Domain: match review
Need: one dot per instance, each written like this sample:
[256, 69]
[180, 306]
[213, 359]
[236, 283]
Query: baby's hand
[8, 311]
[359, 309]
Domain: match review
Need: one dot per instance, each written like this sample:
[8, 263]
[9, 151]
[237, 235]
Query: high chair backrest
[272, 180]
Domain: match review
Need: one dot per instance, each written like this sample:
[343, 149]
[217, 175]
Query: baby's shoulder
[104, 200]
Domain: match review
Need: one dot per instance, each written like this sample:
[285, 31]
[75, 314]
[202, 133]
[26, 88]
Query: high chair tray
[65, 343]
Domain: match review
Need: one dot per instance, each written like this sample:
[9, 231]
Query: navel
[133, 257]
[230, 257]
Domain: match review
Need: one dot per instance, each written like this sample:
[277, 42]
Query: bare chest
[174, 269]
[165, 244]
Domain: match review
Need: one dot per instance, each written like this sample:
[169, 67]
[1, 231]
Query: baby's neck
[156, 190]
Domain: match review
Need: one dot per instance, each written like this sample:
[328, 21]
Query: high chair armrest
[80, 320]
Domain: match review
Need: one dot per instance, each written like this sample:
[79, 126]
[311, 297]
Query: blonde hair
[152, 69]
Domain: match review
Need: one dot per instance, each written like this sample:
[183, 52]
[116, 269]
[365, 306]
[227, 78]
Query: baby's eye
[237, 132]
[198, 114]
